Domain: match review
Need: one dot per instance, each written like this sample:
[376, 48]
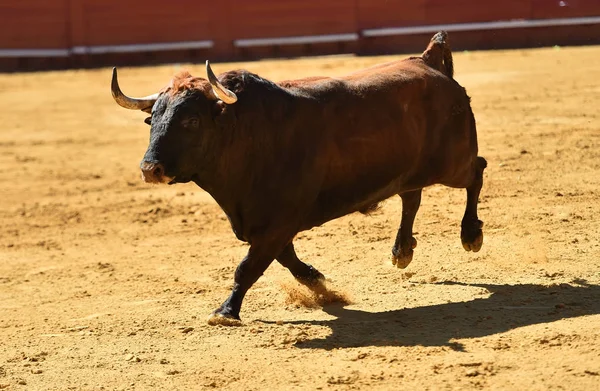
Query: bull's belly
[336, 203]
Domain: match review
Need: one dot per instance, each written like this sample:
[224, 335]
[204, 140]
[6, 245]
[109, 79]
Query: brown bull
[280, 158]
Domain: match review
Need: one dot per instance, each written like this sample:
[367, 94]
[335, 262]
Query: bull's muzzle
[154, 173]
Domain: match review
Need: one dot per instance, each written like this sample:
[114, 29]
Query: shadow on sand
[507, 307]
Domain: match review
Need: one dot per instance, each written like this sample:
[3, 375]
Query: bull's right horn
[144, 104]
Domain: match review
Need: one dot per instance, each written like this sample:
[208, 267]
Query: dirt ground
[106, 282]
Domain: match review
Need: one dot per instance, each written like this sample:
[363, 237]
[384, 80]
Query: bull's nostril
[158, 171]
[152, 172]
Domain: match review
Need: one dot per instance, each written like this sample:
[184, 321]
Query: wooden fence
[43, 34]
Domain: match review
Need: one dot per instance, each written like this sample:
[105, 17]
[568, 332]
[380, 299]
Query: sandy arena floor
[106, 282]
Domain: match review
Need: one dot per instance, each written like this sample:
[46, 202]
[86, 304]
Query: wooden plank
[486, 39]
[465, 11]
[389, 13]
[144, 47]
[76, 26]
[483, 26]
[301, 40]
[542, 9]
[275, 18]
[33, 24]
[112, 22]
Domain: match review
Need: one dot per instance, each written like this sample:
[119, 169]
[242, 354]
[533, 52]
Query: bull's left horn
[219, 89]
[144, 104]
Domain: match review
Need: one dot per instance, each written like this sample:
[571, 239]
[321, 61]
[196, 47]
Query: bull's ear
[148, 121]
[218, 108]
[221, 113]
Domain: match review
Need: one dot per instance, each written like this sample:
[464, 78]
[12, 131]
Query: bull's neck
[225, 175]
[250, 151]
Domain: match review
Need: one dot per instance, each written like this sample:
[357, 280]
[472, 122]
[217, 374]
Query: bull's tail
[438, 54]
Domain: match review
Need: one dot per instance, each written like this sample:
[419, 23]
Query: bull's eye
[191, 123]
[148, 121]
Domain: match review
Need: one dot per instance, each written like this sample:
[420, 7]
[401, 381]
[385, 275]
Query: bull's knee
[402, 257]
[481, 163]
[471, 235]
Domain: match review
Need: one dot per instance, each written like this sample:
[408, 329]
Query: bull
[281, 158]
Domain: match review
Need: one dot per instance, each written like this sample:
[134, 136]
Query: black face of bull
[183, 125]
[182, 131]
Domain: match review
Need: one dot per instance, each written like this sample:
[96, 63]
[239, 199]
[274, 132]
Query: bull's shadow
[507, 307]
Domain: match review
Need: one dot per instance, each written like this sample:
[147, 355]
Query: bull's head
[184, 124]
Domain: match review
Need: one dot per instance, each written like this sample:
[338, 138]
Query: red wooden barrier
[38, 34]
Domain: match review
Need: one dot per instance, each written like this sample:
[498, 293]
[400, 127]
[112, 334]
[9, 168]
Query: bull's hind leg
[303, 272]
[471, 234]
[402, 252]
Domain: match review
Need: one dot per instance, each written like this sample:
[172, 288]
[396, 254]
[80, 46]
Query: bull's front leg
[402, 252]
[253, 265]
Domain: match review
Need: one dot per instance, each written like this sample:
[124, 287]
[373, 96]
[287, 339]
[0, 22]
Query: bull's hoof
[471, 236]
[402, 261]
[223, 319]
[312, 278]
[403, 257]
